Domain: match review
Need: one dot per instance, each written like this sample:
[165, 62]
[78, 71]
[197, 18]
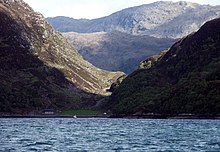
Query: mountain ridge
[149, 19]
[40, 69]
[183, 80]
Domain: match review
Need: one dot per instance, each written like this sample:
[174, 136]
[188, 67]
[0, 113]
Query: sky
[91, 9]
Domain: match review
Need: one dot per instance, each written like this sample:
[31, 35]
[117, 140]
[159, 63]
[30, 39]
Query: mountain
[39, 69]
[123, 39]
[183, 80]
[116, 51]
[160, 19]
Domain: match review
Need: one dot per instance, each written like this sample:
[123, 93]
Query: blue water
[69, 135]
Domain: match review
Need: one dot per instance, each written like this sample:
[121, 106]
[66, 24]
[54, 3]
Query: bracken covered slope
[185, 79]
[39, 68]
[116, 51]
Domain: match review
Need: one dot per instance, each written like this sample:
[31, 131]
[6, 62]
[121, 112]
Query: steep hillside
[116, 51]
[185, 79]
[158, 19]
[39, 69]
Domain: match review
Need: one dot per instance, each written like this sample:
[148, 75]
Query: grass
[81, 112]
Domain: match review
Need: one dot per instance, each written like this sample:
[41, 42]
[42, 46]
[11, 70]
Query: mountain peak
[163, 19]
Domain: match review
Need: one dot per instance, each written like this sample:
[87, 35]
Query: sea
[108, 135]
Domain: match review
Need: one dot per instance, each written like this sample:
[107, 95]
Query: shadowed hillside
[185, 79]
[39, 69]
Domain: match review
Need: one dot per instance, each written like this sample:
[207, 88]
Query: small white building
[48, 112]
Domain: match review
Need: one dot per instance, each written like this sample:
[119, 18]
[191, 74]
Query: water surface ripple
[69, 135]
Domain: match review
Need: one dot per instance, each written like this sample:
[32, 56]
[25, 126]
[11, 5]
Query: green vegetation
[184, 80]
[81, 112]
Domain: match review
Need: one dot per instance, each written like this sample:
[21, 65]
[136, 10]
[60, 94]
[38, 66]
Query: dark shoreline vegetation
[123, 116]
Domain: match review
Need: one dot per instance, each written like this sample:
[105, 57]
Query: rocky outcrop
[150, 61]
[163, 19]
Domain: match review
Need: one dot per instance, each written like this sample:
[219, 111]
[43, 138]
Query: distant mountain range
[39, 69]
[121, 40]
[183, 80]
[163, 19]
[117, 51]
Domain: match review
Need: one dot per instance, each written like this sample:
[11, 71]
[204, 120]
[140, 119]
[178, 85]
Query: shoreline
[150, 116]
[52, 116]
[168, 116]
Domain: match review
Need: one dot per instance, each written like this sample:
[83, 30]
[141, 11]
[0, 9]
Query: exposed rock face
[149, 62]
[39, 68]
[159, 19]
[116, 51]
[185, 79]
[121, 40]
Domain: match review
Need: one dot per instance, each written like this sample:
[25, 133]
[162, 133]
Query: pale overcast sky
[91, 8]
